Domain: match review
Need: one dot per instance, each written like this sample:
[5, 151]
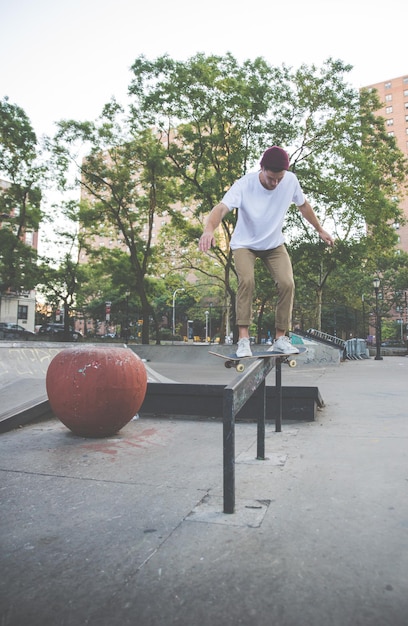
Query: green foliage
[212, 116]
[216, 117]
[125, 185]
[210, 112]
[60, 285]
[18, 142]
[212, 119]
[20, 198]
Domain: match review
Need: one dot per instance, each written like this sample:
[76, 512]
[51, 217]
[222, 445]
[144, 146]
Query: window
[388, 97]
[29, 238]
[388, 110]
[405, 92]
[22, 312]
[391, 133]
[390, 122]
[387, 85]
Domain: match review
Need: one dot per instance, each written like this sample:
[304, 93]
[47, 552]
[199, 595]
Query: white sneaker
[244, 347]
[284, 346]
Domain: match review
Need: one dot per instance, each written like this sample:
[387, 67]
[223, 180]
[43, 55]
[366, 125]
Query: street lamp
[378, 357]
[126, 333]
[174, 309]
[206, 325]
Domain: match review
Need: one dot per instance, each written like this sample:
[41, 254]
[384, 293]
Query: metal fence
[356, 349]
[353, 349]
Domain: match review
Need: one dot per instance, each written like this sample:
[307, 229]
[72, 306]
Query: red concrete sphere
[95, 391]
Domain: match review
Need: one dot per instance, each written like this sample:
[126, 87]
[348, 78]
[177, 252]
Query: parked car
[14, 331]
[55, 332]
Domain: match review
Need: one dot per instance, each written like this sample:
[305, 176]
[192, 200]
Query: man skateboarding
[263, 199]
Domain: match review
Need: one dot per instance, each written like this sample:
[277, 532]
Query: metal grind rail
[247, 385]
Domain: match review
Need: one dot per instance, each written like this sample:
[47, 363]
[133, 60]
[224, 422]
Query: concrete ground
[129, 530]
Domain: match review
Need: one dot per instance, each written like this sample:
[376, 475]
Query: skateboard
[232, 360]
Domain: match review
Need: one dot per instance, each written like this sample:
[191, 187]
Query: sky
[65, 59]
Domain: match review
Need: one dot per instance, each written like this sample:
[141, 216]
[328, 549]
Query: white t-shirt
[261, 212]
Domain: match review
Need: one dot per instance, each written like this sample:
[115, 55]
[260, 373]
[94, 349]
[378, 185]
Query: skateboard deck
[232, 360]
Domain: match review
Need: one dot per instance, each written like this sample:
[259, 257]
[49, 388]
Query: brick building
[394, 96]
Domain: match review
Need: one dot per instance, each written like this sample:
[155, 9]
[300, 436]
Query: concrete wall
[317, 354]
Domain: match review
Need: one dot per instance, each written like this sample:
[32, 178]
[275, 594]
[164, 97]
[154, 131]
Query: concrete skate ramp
[23, 369]
[317, 354]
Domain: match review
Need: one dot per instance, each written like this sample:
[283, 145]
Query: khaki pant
[279, 265]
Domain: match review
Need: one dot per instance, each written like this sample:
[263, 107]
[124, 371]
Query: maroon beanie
[275, 159]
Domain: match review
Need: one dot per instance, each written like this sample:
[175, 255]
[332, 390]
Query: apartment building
[393, 94]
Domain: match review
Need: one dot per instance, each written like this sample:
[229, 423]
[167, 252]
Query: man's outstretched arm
[214, 219]
[309, 215]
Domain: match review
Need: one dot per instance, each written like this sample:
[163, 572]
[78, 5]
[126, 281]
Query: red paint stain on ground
[143, 440]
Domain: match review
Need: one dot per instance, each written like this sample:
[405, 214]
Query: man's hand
[206, 242]
[207, 239]
[326, 237]
[308, 213]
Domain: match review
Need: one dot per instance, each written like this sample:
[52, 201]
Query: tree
[20, 198]
[356, 185]
[212, 118]
[60, 284]
[393, 273]
[211, 114]
[216, 117]
[124, 183]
